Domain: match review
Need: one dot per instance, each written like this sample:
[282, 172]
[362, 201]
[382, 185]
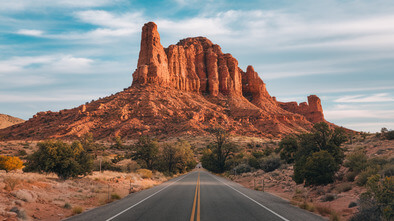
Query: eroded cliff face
[198, 65]
[313, 111]
[193, 64]
[183, 89]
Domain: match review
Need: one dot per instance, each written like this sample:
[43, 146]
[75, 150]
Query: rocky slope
[183, 89]
[7, 120]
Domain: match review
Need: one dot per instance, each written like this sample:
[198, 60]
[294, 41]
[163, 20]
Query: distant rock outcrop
[183, 89]
[7, 120]
[313, 111]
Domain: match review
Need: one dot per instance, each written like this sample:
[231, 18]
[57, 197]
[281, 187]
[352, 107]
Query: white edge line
[113, 217]
[252, 199]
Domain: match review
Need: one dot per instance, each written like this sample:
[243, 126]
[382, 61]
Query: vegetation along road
[198, 195]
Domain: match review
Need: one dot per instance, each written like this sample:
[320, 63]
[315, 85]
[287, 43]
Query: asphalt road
[198, 195]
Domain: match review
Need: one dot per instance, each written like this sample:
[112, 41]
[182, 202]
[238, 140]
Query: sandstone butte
[180, 90]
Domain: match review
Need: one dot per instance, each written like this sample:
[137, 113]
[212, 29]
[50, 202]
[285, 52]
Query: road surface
[198, 195]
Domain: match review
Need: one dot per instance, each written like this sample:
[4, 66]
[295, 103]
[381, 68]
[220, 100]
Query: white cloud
[45, 98]
[357, 113]
[30, 32]
[381, 97]
[20, 5]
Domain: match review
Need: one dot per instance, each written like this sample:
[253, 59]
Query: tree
[88, 143]
[320, 168]
[146, 151]
[9, 163]
[322, 138]
[220, 151]
[177, 157]
[65, 160]
[288, 148]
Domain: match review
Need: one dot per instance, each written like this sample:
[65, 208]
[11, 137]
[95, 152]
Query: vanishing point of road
[198, 195]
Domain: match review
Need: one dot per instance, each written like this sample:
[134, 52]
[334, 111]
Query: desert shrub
[77, 210]
[115, 196]
[390, 135]
[67, 206]
[388, 170]
[253, 162]
[320, 168]
[352, 204]
[362, 178]
[288, 147]
[307, 206]
[242, 168]
[22, 153]
[344, 187]
[328, 198]
[9, 163]
[356, 161]
[145, 173]
[350, 176]
[61, 158]
[11, 183]
[270, 163]
[323, 210]
[132, 166]
[108, 165]
[118, 158]
[118, 143]
[334, 216]
[378, 202]
[257, 154]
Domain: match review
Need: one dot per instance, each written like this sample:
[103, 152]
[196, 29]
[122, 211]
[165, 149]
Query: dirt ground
[35, 196]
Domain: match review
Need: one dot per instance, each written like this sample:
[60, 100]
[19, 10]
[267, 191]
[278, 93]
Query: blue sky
[59, 54]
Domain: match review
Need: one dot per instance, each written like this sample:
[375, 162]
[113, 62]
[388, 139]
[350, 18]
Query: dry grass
[77, 210]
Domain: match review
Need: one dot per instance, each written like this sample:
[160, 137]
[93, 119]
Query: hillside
[183, 89]
[7, 120]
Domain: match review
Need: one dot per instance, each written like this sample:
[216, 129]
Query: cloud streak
[382, 97]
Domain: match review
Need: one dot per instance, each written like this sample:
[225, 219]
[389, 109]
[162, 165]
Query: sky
[59, 54]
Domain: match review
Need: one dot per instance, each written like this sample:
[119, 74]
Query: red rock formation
[183, 89]
[152, 63]
[312, 110]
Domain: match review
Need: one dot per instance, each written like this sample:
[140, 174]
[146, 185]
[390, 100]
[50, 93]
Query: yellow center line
[198, 204]
[197, 193]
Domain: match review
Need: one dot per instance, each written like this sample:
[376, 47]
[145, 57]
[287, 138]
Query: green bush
[350, 176]
[320, 168]
[390, 135]
[356, 161]
[115, 196]
[176, 158]
[270, 163]
[242, 168]
[288, 148]
[253, 162]
[146, 152]
[362, 178]
[378, 202]
[61, 158]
